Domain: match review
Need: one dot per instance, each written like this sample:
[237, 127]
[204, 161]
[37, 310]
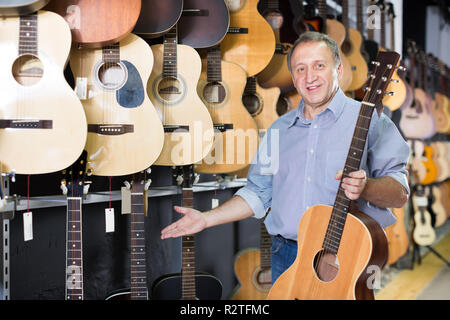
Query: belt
[288, 240]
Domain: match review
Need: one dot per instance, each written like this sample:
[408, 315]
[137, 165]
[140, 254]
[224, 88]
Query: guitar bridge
[111, 129]
[26, 124]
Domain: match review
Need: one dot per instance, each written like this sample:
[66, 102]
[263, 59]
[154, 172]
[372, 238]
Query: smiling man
[313, 143]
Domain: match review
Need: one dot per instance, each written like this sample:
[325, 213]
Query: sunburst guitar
[42, 122]
[221, 86]
[121, 118]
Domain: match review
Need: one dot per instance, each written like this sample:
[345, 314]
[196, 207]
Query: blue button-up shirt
[298, 158]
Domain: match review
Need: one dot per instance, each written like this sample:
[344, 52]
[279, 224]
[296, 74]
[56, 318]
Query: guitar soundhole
[326, 266]
[262, 278]
[275, 19]
[282, 106]
[112, 76]
[214, 93]
[252, 103]
[170, 89]
[346, 47]
[27, 70]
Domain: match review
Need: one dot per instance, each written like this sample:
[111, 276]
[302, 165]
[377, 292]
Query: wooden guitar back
[397, 236]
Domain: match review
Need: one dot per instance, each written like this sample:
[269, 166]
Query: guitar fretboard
[138, 265]
[273, 5]
[28, 34]
[74, 250]
[264, 245]
[214, 68]
[323, 11]
[250, 87]
[342, 203]
[359, 17]
[170, 53]
[188, 291]
[111, 53]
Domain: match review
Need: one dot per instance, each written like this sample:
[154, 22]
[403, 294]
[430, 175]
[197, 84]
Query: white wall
[437, 35]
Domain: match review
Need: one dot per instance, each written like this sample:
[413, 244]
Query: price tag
[109, 220]
[214, 203]
[27, 226]
[126, 201]
[421, 201]
[81, 88]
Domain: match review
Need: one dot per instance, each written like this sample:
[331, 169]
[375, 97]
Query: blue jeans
[283, 255]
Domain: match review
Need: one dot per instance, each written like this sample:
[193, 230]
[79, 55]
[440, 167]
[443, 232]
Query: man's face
[314, 73]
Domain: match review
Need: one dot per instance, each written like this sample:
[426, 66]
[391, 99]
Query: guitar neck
[345, 13]
[170, 53]
[382, 31]
[323, 11]
[359, 17]
[188, 290]
[111, 53]
[74, 250]
[214, 68]
[250, 87]
[28, 34]
[138, 262]
[264, 245]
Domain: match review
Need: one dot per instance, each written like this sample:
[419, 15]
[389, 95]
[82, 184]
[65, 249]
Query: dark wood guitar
[73, 185]
[189, 284]
[204, 23]
[97, 23]
[253, 270]
[331, 263]
[20, 7]
[138, 257]
[158, 17]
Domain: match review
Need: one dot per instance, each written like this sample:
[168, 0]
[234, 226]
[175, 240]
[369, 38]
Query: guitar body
[399, 88]
[442, 121]
[20, 7]
[438, 207]
[416, 121]
[430, 166]
[203, 30]
[254, 282]
[440, 148]
[157, 17]
[262, 105]
[287, 102]
[186, 108]
[277, 74]
[232, 149]
[409, 99]
[336, 31]
[96, 23]
[251, 41]
[397, 236]
[363, 244]
[35, 91]
[352, 51]
[169, 287]
[423, 234]
[113, 108]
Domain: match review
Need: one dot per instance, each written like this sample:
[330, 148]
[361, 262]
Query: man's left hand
[354, 184]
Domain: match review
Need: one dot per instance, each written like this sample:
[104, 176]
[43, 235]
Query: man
[312, 145]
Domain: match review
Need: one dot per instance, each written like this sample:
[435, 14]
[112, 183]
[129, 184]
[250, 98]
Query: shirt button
[315, 126]
[308, 179]
[312, 150]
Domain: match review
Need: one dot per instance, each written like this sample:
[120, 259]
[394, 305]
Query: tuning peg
[389, 93]
[395, 80]
[86, 188]
[180, 180]
[149, 170]
[147, 184]
[196, 178]
[401, 68]
[64, 188]
[375, 63]
[127, 184]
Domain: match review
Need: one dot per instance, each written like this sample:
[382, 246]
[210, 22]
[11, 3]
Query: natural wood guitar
[437, 92]
[397, 236]
[42, 122]
[97, 23]
[172, 87]
[220, 87]
[337, 244]
[250, 41]
[437, 206]
[121, 118]
[20, 7]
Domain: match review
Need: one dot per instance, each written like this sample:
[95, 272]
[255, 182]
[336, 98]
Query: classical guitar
[121, 118]
[20, 7]
[250, 41]
[276, 73]
[441, 95]
[397, 237]
[42, 122]
[253, 270]
[97, 23]
[440, 102]
[172, 87]
[351, 48]
[220, 87]
[158, 17]
[189, 284]
[423, 234]
[203, 23]
[434, 195]
[330, 264]
[73, 185]
[138, 258]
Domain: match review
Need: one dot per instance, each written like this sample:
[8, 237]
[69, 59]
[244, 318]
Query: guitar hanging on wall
[330, 263]
[42, 122]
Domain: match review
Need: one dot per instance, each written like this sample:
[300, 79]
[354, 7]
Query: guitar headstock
[184, 176]
[140, 182]
[390, 10]
[73, 182]
[380, 77]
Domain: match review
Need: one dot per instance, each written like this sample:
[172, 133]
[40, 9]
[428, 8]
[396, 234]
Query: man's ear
[340, 70]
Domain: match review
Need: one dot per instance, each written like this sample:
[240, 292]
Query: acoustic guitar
[423, 233]
[397, 237]
[351, 48]
[121, 118]
[440, 100]
[20, 7]
[253, 270]
[158, 17]
[288, 102]
[221, 87]
[276, 73]
[74, 187]
[203, 23]
[189, 284]
[42, 122]
[336, 244]
[250, 41]
[172, 87]
[434, 195]
[97, 23]
[445, 89]
[138, 257]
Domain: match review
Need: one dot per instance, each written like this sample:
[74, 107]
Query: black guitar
[189, 284]
[73, 185]
[138, 258]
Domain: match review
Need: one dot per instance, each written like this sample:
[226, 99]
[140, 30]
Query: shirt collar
[336, 106]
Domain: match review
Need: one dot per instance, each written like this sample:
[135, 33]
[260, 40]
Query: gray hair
[313, 36]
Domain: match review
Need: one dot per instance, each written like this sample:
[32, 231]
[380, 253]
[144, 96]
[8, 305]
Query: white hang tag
[81, 88]
[421, 201]
[109, 220]
[27, 226]
[214, 203]
[126, 200]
